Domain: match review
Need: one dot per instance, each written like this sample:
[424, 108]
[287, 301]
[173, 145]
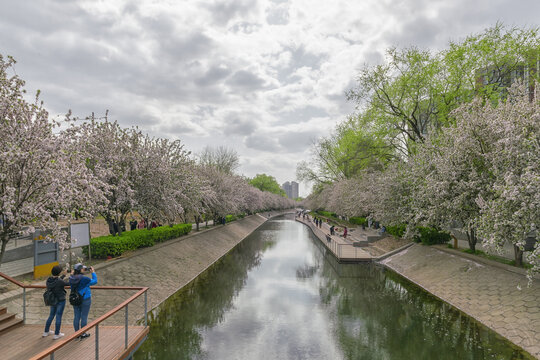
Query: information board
[80, 234]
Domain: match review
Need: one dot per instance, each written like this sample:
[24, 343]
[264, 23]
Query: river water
[280, 295]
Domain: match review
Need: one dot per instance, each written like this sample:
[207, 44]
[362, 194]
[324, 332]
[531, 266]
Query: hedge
[431, 236]
[229, 218]
[104, 246]
[327, 213]
[397, 230]
[358, 220]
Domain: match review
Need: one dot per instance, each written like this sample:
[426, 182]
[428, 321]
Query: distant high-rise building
[291, 189]
[294, 189]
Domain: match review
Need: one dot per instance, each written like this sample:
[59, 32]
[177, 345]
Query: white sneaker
[55, 337]
[47, 333]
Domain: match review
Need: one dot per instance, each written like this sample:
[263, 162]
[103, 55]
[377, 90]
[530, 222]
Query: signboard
[45, 253]
[80, 234]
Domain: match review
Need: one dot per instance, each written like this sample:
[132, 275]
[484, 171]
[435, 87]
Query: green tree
[415, 91]
[267, 183]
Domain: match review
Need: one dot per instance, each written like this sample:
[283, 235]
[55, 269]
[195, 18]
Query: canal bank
[164, 268]
[496, 295]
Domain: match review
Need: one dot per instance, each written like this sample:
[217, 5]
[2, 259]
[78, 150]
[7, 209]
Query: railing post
[24, 305]
[146, 308]
[126, 330]
[52, 356]
[97, 341]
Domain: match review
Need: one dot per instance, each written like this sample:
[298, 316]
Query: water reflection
[280, 295]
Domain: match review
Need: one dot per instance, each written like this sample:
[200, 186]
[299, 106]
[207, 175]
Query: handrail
[94, 323]
[16, 282]
[140, 291]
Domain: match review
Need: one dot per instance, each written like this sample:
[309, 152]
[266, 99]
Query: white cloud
[264, 77]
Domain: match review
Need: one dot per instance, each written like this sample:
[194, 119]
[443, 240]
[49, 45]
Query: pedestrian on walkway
[55, 283]
[81, 284]
[332, 230]
[344, 232]
[141, 224]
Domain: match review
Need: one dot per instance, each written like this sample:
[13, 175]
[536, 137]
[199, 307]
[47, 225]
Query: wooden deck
[25, 342]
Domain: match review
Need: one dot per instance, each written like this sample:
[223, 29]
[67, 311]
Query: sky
[265, 77]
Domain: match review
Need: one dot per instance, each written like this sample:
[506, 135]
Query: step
[10, 325]
[3, 310]
[5, 317]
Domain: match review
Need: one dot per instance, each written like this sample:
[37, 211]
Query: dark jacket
[56, 285]
[83, 284]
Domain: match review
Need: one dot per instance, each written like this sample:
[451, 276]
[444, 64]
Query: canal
[280, 295]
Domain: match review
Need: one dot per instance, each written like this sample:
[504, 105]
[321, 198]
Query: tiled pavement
[498, 298]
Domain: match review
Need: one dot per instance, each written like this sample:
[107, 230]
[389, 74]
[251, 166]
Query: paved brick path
[488, 293]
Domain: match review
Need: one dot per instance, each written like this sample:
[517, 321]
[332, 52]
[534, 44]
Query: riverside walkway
[343, 249]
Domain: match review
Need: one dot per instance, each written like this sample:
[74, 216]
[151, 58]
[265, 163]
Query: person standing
[56, 284]
[345, 232]
[81, 284]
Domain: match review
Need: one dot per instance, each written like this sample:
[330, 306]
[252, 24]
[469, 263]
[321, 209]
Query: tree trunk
[471, 238]
[5, 240]
[518, 256]
[110, 222]
[197, 221]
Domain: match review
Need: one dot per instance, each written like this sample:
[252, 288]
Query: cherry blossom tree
[43, 176]
[111, 156]
[513, 212]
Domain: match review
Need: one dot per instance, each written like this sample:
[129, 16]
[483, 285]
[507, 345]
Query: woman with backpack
[81, 296]
[56, 297]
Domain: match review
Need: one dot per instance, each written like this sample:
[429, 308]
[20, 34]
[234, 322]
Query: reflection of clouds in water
[276, 316]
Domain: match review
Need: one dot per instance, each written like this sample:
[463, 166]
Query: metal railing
[338, 249]
[94, 324]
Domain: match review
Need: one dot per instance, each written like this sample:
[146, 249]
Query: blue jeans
[58, 311]
[81, 314]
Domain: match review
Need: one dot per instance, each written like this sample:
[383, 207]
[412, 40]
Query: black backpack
[75, 298]
[50, 298]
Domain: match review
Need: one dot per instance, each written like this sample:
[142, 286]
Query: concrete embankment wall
[489, 293]
[164, 268]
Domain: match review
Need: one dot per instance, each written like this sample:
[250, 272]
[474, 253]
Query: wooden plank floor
[26, 341]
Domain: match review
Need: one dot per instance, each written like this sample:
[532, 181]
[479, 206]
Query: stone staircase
[8, 321]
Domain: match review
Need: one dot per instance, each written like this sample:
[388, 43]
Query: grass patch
[496, 258]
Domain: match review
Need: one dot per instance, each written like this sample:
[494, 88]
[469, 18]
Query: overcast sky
[264, 77]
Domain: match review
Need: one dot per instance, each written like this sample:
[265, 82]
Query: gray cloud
[223, 11]
[297, 141]
[302, 114]
[239, 124]
[262, 142]
[277, 15]
[245, 80]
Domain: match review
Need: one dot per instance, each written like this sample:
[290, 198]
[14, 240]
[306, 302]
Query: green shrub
[105, 246]
[326, 213]
[431, 236]
[397, 230]
[230, 218]
[358, 220]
